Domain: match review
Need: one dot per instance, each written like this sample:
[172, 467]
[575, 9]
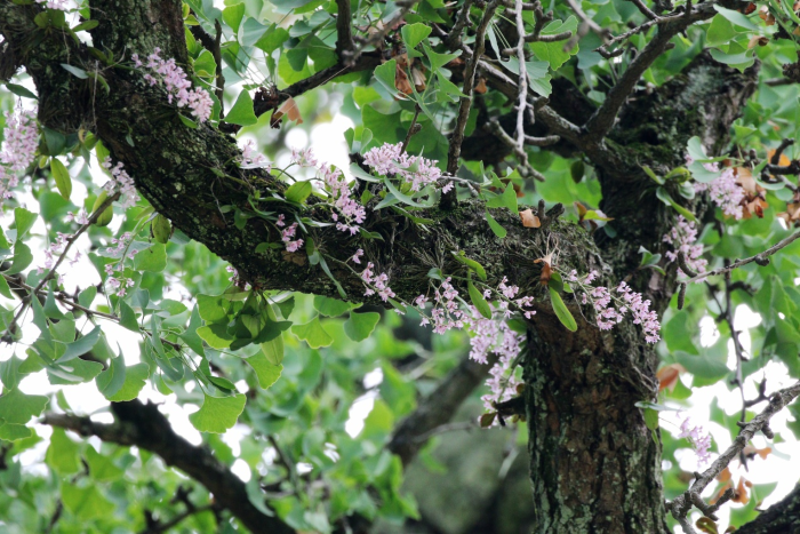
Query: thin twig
[522, 89]
[470, 69]
[762, 258]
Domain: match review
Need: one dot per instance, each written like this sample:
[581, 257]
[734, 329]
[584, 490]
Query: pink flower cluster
[446, 313]
[723, 190]
[54, 249]
[19, 148]
[683, 238]
[611, 306]
[61, 5]
[351, 212]
[176, 83]
[392, 160]
[287, 235]
[700, 439]
[487, 335]
[251, 158]
[122, 180]
[376, 283]
[120, 283]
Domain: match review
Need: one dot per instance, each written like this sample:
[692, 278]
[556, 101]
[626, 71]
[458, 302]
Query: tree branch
[142, 425]
[437, 409]
[762, 258]
[598, 126]
[682, 504]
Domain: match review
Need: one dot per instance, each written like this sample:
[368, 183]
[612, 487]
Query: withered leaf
[529, 220]
[290, 110]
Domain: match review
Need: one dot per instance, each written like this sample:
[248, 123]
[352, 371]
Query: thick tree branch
[142, 425]
[780, 518]
[437, 409]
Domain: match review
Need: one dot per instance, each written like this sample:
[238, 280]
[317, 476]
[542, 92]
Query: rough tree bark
[595, 466]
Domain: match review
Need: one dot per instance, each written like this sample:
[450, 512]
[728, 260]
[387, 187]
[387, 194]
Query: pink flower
[177, 84]
[391, 160]
[356, 258]
[683, 238]
[700, 439]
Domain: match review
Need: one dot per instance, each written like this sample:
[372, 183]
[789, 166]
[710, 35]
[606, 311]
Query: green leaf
[75, 71]
[23, 220]
[218, 414]
[5, 290]
[562, 312]
[21, 260]
[667, 199]
[359, 326]
[73, 372]
[62, 177]
[152, 259]
[81, 346]
[267, 372]
[101, 467]
[272, 39]
[242, 111]
[21, 91]
[135, 378]
[331, 307]
[216, 335]
[710, 366]
[413, 34]
[13, 432]
[498, 230]
[507, 200]
[553, 52]
[86, 503]
[189, 123]
[62, 454]
[110, 381]
[473, 265]
[736, 18]
[298, 192]
[313, 333]
[478, 301]
[385, 74]
[273, 350]
[438, 60]
[17, 408]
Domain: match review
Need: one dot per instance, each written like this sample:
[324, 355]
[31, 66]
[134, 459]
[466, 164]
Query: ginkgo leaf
[218, 414]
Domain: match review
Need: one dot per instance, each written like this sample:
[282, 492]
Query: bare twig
[522, 84]
[644, 9]
[524, 167]
[457, 137]
[682, 504]
[453, 39]
[762, 258]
